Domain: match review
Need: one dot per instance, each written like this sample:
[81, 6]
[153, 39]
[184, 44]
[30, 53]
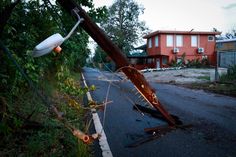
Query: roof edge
[225, 40]
[180, 32]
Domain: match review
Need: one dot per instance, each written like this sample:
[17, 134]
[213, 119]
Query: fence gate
[227, 59]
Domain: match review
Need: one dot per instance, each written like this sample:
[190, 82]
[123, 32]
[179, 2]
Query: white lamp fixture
[53, 42]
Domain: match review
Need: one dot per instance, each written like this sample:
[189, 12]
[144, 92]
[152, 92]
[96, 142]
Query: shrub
[197, 63]
[230, 76]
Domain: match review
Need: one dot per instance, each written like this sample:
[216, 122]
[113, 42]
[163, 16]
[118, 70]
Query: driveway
[182, 76]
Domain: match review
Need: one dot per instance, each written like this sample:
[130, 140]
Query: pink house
[165, 46]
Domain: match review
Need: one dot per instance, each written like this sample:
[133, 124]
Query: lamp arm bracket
[75, 11]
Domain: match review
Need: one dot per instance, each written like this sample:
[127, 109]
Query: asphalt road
[212, 116]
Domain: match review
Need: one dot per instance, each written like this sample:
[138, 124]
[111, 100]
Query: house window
[179, 40]
[164, 60]
[211, 38]
[150, 43]
[156, 41]
[194, 41]
[169, 40]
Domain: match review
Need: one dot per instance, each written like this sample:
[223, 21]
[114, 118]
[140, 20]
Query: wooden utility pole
[118, 57]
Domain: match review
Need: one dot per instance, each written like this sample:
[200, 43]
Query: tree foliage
[123, 25]
[100, 56]
[30, 23]
[231, 34]
[227, 35]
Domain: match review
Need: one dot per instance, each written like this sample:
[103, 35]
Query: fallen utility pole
[117, 56]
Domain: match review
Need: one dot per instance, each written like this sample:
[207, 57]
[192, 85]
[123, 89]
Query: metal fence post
[217, 66]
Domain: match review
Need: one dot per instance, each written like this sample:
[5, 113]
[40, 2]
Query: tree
[123, 25]
[231, 34]
[100, 56]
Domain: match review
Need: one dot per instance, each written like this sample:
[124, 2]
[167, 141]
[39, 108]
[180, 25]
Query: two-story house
[165, 46]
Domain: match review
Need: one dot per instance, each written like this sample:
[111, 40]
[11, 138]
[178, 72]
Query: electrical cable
[108, 89]
[107, 95]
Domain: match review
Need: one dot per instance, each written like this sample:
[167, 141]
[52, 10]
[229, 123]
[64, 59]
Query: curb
[106, 151]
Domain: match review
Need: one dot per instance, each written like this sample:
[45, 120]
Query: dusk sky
[200, 15]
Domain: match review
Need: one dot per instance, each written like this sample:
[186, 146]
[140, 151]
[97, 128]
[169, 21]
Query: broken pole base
[156, 113]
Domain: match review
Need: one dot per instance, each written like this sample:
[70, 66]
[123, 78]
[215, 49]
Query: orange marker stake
[79, 134]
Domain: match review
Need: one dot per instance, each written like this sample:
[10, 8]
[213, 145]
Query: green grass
[220, 88]
[204, 78]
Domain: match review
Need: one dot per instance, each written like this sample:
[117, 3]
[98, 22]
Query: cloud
[230, 6]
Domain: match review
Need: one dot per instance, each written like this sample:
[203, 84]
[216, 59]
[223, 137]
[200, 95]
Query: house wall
[153, 51]
[191, 52]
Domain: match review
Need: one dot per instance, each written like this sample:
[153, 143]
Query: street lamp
[54, 41]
